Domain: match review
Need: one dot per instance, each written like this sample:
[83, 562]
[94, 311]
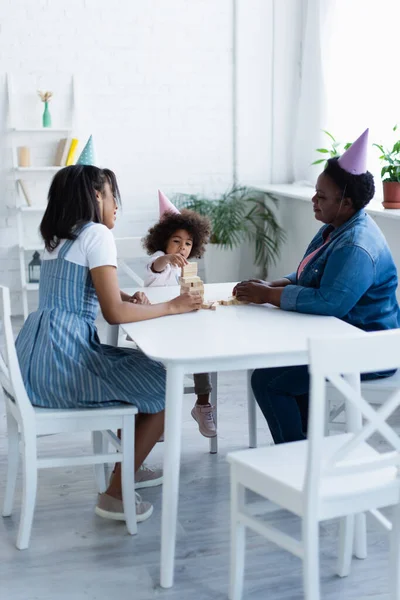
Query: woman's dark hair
[360, 188]
[196, 225]
[72, 202]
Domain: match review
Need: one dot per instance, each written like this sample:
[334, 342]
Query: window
[361, 72]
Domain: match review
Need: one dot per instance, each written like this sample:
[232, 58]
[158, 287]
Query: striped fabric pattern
[62, 361]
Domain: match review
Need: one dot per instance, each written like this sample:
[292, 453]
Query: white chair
[25, 423]
[129, 248]
[325, 477]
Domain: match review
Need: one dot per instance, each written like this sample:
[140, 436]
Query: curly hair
[360, 188]
[196, 225]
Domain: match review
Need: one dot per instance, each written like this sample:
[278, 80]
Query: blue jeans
[282, 393]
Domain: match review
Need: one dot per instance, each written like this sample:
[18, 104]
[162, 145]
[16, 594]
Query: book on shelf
[58, 161]
[71, 152]
[65, 151]
[25, 192]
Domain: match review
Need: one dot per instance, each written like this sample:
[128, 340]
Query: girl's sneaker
[112, 508]
[146, 477]
[204, 415]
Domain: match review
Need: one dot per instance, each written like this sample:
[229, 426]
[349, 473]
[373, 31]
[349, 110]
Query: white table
[230, 338]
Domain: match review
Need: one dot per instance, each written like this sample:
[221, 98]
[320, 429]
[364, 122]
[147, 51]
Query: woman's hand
[186, 303]
[139, 298]
[254, 290]
[176, 260]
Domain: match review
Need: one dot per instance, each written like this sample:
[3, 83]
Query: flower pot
[221, 264]
[391, 194]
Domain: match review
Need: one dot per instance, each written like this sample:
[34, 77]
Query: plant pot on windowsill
[391, 194]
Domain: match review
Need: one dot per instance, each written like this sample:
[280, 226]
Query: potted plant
[333, 150]
[241, 214]
[390, 174]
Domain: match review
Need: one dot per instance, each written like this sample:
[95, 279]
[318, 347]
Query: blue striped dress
[63, 363]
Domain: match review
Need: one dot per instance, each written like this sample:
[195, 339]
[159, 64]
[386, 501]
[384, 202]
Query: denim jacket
[353, 277]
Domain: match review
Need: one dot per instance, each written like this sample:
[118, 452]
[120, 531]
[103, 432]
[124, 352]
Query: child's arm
[115, 310]
[136, 298]
[168, 259]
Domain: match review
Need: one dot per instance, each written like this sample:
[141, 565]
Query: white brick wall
[154, 88]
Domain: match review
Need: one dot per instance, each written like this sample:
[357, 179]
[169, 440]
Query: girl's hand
[139, 298]
[186, 303]
[177, 260]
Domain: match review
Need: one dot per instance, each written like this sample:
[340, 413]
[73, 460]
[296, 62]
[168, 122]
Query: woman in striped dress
[62, 361]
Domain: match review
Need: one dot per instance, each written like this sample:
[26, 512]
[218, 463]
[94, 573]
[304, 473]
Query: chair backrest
[330, 359]
[129, 248]
[10, 374]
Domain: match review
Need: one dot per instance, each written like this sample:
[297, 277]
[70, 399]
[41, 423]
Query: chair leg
[360, 536]
[214, 402]
[12, 464]
[100, 446]
[238, 539]
[345, 550]
[394, 563]
[252, 415]
[29, 487]
[128, 472]
[311, 559]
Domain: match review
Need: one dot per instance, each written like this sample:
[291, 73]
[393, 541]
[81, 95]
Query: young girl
[79, 271]
[171, 242]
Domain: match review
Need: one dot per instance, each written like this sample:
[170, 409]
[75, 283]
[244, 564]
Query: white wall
[155, 88]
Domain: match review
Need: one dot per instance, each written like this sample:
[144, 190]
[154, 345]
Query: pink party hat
[166, 205]
[354, 160]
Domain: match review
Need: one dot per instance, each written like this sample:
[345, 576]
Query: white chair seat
[278, 473]
[386, 383]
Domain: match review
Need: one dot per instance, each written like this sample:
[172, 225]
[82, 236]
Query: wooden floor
[76, 555]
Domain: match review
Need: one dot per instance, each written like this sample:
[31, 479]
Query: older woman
[347, 272]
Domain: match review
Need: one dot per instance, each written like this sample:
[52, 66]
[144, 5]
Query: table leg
[252, 414]
[112, 332]
[172, 455]
[354, 424]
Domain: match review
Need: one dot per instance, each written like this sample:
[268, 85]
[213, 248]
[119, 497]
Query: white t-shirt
[170, 275]
[94, 247]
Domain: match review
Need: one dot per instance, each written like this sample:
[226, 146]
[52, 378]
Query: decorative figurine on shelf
[45, 97]
[34, 268]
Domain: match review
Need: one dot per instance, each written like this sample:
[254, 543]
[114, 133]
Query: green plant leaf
[317, 162]
[330, 135]
[242, 213]
[323, 150]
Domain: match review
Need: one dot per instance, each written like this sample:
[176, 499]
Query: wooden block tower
[192, 284]
[189, 280]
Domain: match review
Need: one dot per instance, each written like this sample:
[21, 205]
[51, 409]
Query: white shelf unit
[37, 169]
[20, 136]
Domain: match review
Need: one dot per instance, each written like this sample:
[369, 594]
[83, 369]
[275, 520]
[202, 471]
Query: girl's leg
[149, 428]
[276, 391]
[202, 411]
[202, 388]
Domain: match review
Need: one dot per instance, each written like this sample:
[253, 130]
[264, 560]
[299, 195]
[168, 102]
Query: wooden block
[197, 284]
[231, 301]
[214, 305]
[190, 280]
[225, 302]
[207, 305]
[189, 270]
